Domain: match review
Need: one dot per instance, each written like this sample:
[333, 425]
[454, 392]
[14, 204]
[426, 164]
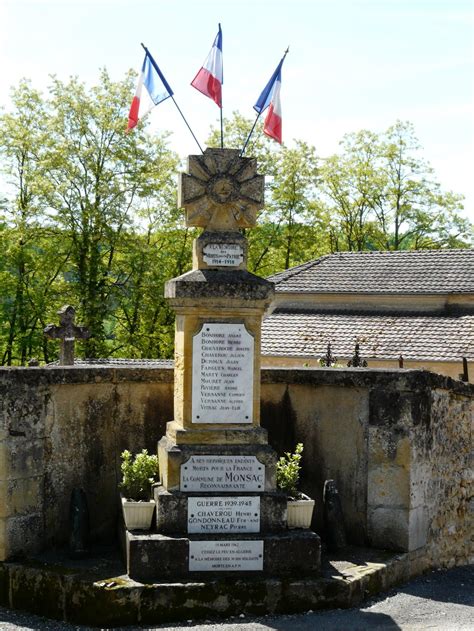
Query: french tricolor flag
[157, 89]
[210, 78]
[270, 97]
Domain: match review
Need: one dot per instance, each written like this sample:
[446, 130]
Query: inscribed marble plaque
[222, 391]
[222, 473]
[223, 514]
[223, 254]
[215, 556]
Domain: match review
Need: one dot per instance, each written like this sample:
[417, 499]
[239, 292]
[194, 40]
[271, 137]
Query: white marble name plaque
[223, 254]
[222, 473]
[222, 390]
[215, 556]
[223, 514]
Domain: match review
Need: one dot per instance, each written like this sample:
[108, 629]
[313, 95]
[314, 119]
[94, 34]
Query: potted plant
[138, 475]
[300, 506]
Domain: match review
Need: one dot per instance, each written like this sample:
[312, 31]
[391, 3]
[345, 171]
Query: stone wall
[62, 428]
[420, 472]
[396, 442]
[448, 485]
[331, 422]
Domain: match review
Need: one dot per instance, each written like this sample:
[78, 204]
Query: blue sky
[352, 64]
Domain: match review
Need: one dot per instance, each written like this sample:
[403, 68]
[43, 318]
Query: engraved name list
[222, 390]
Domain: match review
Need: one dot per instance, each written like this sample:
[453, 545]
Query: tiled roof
[399, 272]
[416, 337]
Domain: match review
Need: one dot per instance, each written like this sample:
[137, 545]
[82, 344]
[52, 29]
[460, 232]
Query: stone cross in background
[68, 333]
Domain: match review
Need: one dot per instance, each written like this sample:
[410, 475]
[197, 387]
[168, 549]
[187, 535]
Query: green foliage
[103, 179]
[81, 194]
[88, 214]
[138, 474]
[288, 471]
[380, 194]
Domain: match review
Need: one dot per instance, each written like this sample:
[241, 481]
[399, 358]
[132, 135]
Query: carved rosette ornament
[221, 191]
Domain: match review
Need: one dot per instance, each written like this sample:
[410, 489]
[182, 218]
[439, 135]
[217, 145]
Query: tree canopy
[88, 214]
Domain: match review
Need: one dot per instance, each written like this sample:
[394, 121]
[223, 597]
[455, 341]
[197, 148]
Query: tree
[350, 183]
[381, 195]
[293, 204]
[77, 182]
[88, 215]
[102, 176]
[29, 264]
[144, 322]
[412, 211]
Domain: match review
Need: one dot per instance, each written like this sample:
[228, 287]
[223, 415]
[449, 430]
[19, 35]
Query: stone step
[152, 557]
[96, 592]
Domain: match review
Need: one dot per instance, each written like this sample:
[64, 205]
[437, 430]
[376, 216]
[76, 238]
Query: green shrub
[138, 474]
[288, 472]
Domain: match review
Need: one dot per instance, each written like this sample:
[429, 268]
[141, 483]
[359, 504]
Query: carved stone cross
[221, 191]
[68, 333]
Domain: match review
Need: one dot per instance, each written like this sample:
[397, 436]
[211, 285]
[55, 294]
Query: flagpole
[222, 116]
[177, 106]
[187, 124]
[251, 132]
[222, 131]
[259, 113]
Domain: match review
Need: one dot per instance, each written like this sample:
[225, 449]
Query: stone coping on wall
[162, 371]
[401, 378]
[86, 373]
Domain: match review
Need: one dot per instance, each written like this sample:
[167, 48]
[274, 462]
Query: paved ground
[438, 601]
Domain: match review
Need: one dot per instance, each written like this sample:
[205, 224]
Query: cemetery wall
[396, 442]
[62, 428]
[448, 369]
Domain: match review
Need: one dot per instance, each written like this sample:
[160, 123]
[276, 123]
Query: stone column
[217, 506]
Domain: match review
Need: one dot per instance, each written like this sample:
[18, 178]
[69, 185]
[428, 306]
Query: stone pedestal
[217, 507]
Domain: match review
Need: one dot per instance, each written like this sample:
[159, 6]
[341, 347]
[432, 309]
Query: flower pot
[137, 515]
[300, 513]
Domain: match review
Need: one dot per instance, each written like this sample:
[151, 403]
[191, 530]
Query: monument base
[152, 557]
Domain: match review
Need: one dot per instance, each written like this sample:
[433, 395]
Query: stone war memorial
[217, 508]
[387, 456]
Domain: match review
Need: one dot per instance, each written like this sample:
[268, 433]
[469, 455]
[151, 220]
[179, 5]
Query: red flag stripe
[206, 83]
[272, 126]
[133, 114]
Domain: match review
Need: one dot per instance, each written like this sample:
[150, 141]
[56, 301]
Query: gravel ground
[442, 600]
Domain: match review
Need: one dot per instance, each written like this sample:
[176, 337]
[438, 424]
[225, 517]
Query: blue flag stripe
[156, 91]
[263, 100]
[218, 40]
